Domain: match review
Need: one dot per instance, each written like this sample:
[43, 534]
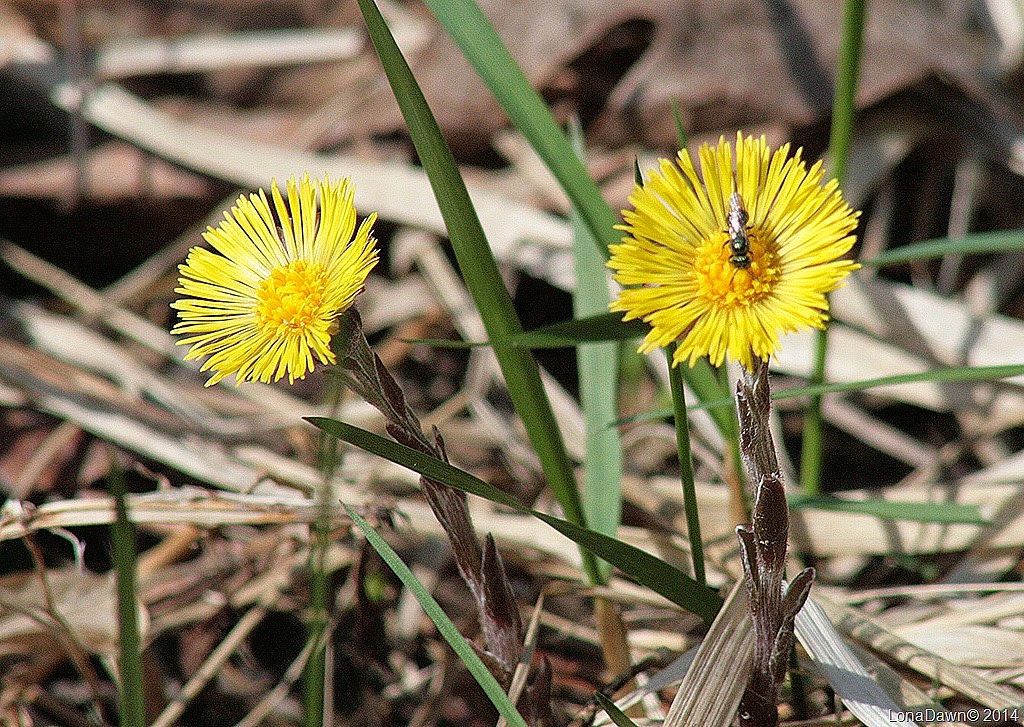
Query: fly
[739, 242]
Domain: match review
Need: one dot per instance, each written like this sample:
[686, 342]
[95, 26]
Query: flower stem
[763, 545]
[847, 72]
[675, 377]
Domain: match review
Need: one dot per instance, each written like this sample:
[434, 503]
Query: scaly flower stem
[763, 543]
[848, 69]
[675, 377]
[365, 374]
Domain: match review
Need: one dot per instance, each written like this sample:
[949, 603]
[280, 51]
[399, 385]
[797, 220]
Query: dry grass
[224, 478]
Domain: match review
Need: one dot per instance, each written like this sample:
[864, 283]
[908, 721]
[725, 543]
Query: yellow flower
[266, 304]
[730, 284]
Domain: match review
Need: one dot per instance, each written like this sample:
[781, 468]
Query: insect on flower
[739, 243]
[689, 237]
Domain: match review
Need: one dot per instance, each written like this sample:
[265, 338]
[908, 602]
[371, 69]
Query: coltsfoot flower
[726, 262]
[264, 304]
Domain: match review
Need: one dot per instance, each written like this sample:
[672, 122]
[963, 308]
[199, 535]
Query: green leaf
[591, 329]
[602, 327]
[652, 572]
[480, 271]
[959, 373]
[598, 365]
[684, 453]
[945, 513]
[618, 716]
[976, 244]
[444, 624]
[475, 36]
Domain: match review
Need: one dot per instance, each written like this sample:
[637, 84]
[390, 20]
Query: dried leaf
[87, 603]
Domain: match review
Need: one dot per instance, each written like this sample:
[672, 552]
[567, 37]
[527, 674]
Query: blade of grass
[480, 271]
[848, 71]
[315, 690]
[813, 441]
[598, 365]
[565, 334]
[444, 624]
[649, 570]
[598, 369]
[131, 693]
[475, 36]
[976, 244]
[943, 513]
[315, 673]
[839, 144]
[675, 377]
[936, 376]
[860, 693]
[618, 716]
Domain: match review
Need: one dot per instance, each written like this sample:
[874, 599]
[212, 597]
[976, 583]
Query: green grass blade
[590, 329]
[980, 243]
[812, 447]
[618, 716]
[131, 693]
[444, 624]
[565, 334]
[942, 513]
[843, 108]
[598, 365]
[649, 570]
[475, 36]
[314, 693]
[937, 376]
[480, 271]
[685, 457]
[847, 73]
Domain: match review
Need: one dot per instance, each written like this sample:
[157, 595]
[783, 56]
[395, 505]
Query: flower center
[291, 299]
[721, 280]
